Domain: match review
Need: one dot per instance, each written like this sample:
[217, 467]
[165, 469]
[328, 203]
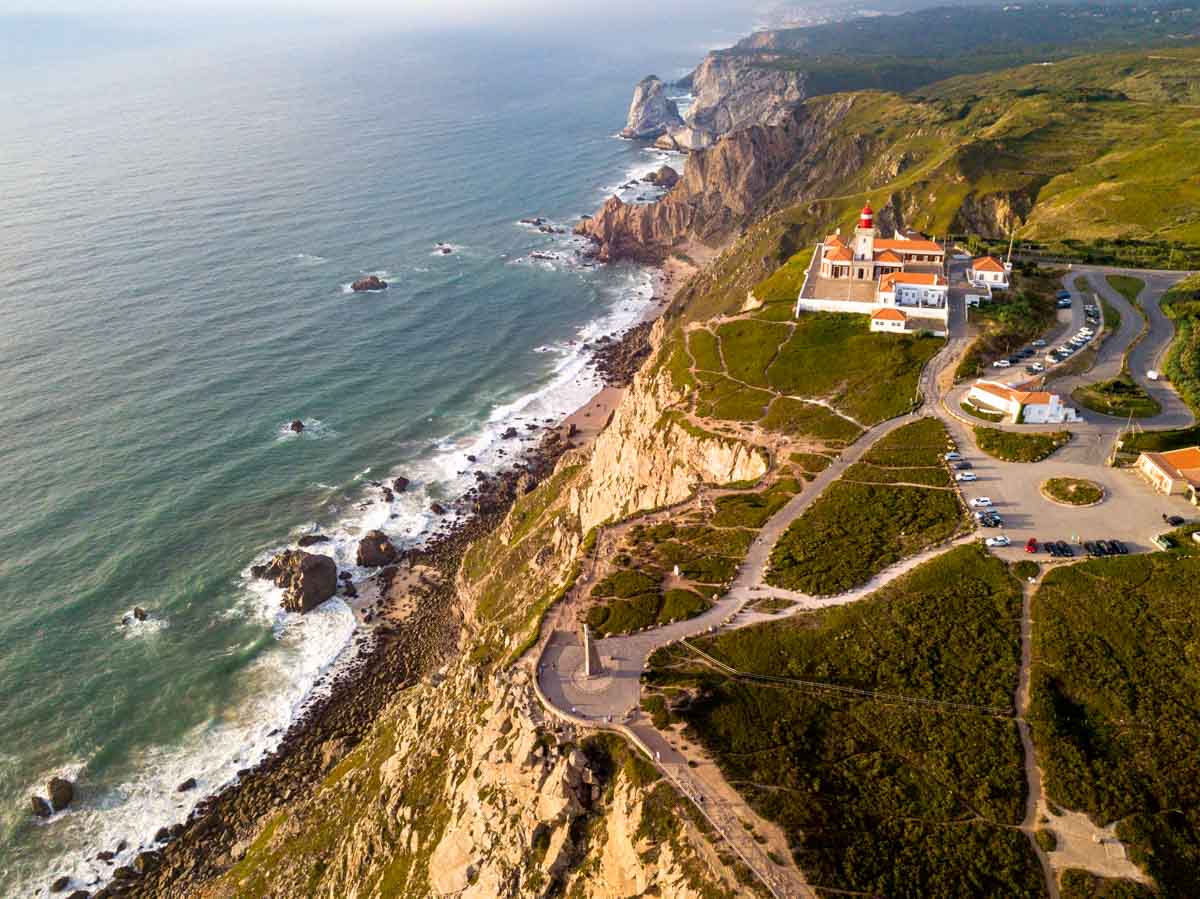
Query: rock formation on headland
[652, 113]
[308, 579]
[368, 284]
[731, 91]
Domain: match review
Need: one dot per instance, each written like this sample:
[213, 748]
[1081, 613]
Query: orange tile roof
[890, 315]
[987, 264]
[910, 246]
[888, 256]
[928, 279]
[1180, 463]
[1024, 397]
[834, 240]
[841, 254]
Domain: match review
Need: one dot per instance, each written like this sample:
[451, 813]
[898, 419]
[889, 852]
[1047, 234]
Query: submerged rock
[41, 807]
[312, 540]
[371, 282]
[376, 550]
[189, 784]
[60, 884]
[308, 579]
[140, 614]
[400, 484]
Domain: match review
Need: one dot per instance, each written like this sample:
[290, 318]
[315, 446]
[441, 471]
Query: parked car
[1117, 548]
[1064, 549]
[1063, 295]
[966, 476]
[1038, 343]
[1173, 520]
[962, 466]
[981, 501]
[1164, 541]
[997, 541]
[1001, 363]
[1064, 303]
[952, 456]
[1031, 545]
[1037, 367]
[1052, 548]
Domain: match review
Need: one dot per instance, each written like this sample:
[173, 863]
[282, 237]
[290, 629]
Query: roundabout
[1076, 492]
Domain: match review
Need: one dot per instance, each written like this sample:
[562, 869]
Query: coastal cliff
[732, 92]
[726, 187]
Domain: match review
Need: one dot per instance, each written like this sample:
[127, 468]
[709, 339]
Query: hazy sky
[422, 11]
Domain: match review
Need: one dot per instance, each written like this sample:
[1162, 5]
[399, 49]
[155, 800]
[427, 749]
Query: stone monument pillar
[591, 655]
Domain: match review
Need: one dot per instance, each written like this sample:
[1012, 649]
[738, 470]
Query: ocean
[180, 226]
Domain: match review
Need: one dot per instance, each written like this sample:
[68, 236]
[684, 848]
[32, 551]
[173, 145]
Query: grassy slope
[881, 797]
[1114, 712]
[1182, 303]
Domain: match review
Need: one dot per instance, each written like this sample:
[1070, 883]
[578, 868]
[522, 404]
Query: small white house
[921, 289]
[889, 320]
[1027, 406]
[987, 271]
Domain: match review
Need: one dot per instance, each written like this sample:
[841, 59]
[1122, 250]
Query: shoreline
[407, 626]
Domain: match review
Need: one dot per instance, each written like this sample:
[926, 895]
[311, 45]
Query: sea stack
[652, 113]
[308, 579]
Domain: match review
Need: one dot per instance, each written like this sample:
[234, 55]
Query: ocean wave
[309, 259]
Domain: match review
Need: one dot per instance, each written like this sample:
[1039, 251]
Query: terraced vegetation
[706, 544]
[1182, 304]
[1019, 446]
[1113, 705]
[879, 797]
[822, 376]
[1073, 491]
[869, 518]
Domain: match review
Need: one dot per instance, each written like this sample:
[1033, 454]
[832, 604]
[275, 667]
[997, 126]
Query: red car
[1031, 545]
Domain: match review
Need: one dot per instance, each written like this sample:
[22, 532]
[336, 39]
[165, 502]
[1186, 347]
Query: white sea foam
[309, 259]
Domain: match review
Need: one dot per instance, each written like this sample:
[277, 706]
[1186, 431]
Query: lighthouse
[864, 241]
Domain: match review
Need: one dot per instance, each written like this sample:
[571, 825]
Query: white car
[1038, 342]
[1036, 367]
[997, 541]
[1001, 363]
[953, 457]
[966, 476]
[981, 501]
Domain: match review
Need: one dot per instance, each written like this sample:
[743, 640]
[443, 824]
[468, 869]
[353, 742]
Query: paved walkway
[612, 699]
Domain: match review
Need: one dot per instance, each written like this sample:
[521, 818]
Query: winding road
[611, 700]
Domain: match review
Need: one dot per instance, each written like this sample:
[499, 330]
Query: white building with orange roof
[990, 272]
[1020, 406]
[889, 321]
[867, 273]
[1173, 473]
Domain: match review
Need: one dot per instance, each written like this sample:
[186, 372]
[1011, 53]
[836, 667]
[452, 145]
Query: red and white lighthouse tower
[864, 242]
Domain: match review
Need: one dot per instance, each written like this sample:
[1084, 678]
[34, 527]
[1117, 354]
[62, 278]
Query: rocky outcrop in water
[652, 113]
[308, 579]
[666, 178]
[368, 284]
[376, 550]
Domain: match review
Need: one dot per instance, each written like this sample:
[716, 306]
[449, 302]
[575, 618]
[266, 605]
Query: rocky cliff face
[733, 92]
[646, 458]
[652, 113]
[729, 185]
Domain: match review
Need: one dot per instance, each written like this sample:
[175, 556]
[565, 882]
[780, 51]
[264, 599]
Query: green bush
[1014, 446]
[1120, 396]
[1026, 568]
[1116, 673]
[624, 584]
[751, 510]
[879, 798]
[854, 531]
